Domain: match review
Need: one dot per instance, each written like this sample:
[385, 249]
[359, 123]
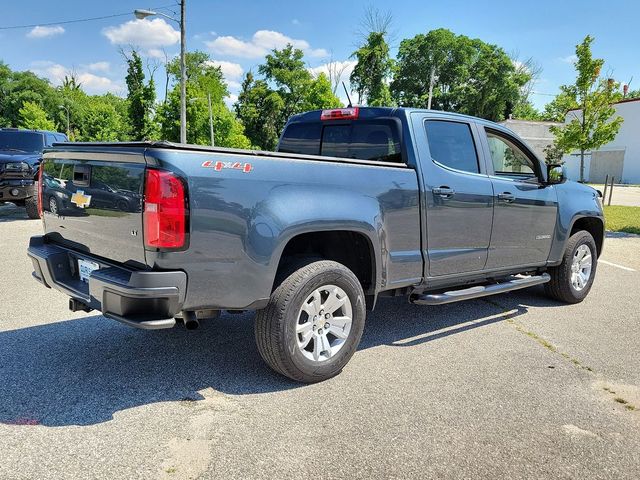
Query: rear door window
[451, 144]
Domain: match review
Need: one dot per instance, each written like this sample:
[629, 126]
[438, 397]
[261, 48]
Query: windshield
[21, 141]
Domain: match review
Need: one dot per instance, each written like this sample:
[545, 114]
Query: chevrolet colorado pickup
[20, 156]
[356, 204]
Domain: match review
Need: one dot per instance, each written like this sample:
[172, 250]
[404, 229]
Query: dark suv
[20, 156]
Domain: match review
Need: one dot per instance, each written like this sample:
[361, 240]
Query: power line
[79, 20]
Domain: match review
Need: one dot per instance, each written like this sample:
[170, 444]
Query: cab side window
[508, 159]
[451, 145]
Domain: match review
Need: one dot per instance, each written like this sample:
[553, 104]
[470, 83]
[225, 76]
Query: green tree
[265, 105]
[102, 123]
[16, 88]
[34, 117]
[469, 75]
[141, 97]
[371, 75]
[260, 110]
[204, 80]
[526, 111]
[556, 110]
[593, 126]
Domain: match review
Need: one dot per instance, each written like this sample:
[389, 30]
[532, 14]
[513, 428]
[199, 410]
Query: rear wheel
[313, 323]
[571, 281]
[31, 205]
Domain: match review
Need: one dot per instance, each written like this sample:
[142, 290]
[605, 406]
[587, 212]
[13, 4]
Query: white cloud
[91, 83]
[571, 59]
[230, 70]
[155, 53]
[44, 32]
[99, 66]
[336, 67]
[260, 44]
[144, 33]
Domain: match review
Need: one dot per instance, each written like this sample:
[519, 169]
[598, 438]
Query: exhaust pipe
[190, 320]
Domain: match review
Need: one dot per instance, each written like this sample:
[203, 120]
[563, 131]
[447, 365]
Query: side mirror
[556, 174]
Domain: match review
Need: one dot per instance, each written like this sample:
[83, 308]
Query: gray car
[357, 204]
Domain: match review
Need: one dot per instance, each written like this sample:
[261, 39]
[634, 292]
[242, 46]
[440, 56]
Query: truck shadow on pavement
[82, 372]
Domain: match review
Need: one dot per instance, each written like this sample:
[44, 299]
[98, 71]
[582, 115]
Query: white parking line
[616, 265]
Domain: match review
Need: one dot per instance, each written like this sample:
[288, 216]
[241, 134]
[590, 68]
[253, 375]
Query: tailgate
[92, 201]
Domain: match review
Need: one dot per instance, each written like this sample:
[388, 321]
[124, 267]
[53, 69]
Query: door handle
[506, 197]
[444, 192]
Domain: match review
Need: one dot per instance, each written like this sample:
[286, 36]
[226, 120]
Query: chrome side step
[514, 283]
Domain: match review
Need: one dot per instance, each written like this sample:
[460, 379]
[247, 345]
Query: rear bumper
[14, 190]
[141, 299]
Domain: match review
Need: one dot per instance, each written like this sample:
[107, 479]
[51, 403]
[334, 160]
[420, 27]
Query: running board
[516, 283]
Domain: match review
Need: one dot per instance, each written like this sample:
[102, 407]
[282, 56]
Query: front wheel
[31, 205]
[313, 323]
[571, 281]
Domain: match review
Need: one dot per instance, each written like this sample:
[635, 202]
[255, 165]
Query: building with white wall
[619, 158]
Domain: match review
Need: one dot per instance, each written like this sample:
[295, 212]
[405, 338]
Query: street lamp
[141, 14]
[67, 109]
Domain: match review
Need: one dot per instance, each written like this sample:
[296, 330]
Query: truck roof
[372, 112]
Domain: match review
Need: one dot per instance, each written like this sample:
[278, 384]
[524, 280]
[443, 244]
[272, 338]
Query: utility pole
[142, 14]
[213, 142]
[432, 80]
[183, 75]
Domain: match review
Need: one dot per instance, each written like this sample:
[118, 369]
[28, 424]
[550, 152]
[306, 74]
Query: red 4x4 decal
[218, 165]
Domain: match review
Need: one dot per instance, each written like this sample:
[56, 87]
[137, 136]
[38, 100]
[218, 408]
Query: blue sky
[237, 34]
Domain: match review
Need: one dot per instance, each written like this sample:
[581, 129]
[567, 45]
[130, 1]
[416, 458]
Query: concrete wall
[536, 134]
[627, 141]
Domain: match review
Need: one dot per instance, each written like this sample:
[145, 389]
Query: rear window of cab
[377, 140]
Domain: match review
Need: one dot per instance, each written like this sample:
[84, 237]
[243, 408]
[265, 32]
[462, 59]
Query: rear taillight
[165, 211]
[40, 187]
[350, 113]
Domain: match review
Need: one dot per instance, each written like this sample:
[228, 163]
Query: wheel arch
[355, 249]
[593, 225]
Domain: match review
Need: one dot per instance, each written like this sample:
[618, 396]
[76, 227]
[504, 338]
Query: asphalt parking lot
[514, 386]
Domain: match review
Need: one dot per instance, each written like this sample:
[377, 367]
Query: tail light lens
[165, 211]
[40, 187]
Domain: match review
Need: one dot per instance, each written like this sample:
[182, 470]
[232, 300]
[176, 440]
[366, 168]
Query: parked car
[20, 156]
[357, 204]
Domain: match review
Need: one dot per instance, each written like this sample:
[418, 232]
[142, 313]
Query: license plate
[85, 267]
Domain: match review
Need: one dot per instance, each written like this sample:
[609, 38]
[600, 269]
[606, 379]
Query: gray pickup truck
[356, 204]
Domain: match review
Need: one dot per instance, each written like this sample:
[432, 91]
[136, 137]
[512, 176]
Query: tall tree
[141, 97]
[556, 110]
[287, 87]
[594, 125]
[260, 110]
[204, 81]
[371, 75]
[34, 117]
[465, 75]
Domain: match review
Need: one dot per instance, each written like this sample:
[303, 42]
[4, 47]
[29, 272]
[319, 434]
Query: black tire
[560, 286]
[122, 206]
[275, 325]
[31, 204]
